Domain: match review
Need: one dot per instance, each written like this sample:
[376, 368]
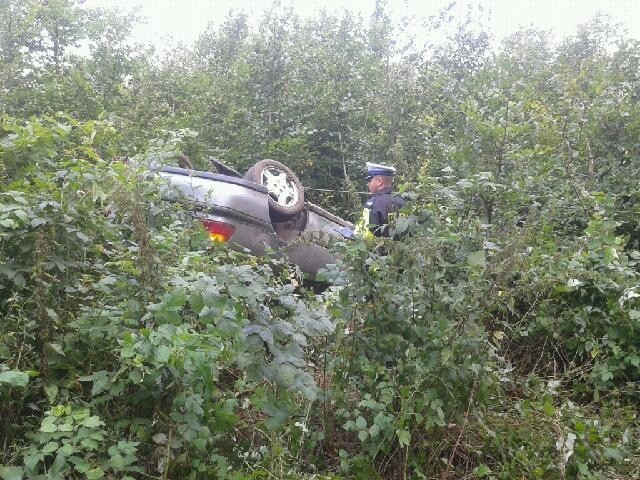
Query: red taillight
[218, 231]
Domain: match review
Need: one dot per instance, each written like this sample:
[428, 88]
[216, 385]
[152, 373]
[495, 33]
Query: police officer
[383, 203]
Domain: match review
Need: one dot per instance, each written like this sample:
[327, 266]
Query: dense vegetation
[499, 339]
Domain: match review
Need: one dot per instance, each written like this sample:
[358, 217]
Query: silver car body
[244, 205]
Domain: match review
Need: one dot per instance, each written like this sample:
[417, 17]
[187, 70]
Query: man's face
[375, 184]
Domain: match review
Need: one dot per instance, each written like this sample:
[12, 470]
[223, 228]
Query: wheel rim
[280, 186]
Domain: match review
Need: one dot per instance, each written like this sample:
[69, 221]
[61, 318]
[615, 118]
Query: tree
[35, 37]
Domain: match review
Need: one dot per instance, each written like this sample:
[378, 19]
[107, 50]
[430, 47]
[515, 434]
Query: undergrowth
[132, 347]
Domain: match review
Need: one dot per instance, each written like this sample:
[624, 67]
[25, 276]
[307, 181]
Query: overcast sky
[183, 20]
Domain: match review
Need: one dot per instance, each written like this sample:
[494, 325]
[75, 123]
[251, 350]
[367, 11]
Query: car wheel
[286, 194]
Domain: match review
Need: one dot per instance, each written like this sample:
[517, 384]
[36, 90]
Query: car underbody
[261, 212]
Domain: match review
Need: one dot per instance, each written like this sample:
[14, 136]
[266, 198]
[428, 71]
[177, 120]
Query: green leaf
[94, 474]
[404, 437]
[634, 360]
[401, 225]
[66, 450]
[196, 302]
[482, 471]
[14, 378]
[48, 427]
[606, 375]
[117, 462]
[200, 443]
[82, 467]
[36, 222]
[162, 354]
[11, 473]
[613, 454]
[90, 444]
[361, 423]
[32, 459]
[92, 422]
[80, 414]
[176, 299]
[52, 392]
[7, 222]
[477, 259]
[100, 382]
[277, 419]
[58, 465]
[238, 290]
[65, 427]
[50, 447]
[56, 347]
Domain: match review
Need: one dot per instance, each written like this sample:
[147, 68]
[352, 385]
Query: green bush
[129, 344]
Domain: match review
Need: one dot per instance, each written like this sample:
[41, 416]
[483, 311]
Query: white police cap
[374, 169]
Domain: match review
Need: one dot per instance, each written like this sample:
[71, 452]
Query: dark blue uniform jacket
[380, 205]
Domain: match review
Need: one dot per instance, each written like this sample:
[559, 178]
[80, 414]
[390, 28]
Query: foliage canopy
[498, 338]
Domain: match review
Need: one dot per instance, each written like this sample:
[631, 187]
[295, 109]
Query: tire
[286, 193]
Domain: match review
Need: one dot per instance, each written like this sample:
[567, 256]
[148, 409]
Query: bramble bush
[416, 358]
[129, 344]
[497, 337]
[494, 351]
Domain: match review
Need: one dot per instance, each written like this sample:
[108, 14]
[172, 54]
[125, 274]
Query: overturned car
[264, 209]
